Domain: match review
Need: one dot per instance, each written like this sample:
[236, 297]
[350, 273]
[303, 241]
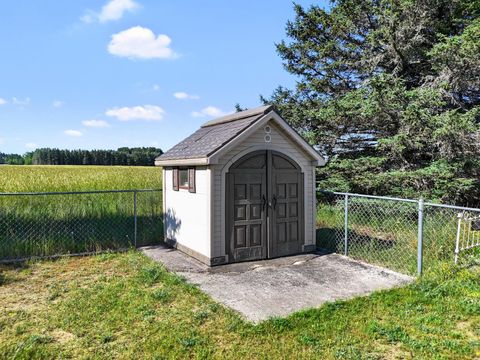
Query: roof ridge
[239, 115]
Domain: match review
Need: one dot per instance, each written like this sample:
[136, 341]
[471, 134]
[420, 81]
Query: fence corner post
[421, 206]
[135, 218]
[346, 225]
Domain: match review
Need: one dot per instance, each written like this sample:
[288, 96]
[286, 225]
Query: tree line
[389, 91]
[138, 156]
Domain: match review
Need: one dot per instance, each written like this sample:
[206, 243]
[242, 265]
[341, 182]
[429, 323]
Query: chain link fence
[404, 235]
[50, 224]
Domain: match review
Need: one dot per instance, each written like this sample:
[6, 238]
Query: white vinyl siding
[187, 214]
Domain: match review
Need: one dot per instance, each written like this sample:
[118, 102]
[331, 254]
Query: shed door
[286, 207]
[246, 190]
[264, 207]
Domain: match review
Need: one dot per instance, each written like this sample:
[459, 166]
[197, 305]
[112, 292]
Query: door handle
[274, 202]
[264, 202]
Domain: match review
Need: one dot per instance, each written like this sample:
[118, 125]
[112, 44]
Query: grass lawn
[126, 306]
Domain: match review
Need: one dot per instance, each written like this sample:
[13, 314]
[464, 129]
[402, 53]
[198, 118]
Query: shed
[242, 187]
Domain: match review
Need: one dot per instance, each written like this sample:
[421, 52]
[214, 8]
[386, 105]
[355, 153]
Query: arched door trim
[225, 170]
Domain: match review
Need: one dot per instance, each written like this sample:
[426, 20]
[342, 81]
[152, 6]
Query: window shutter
[191, 180]
[175, 179]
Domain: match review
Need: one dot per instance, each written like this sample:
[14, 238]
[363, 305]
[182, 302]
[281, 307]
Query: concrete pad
[278, 287]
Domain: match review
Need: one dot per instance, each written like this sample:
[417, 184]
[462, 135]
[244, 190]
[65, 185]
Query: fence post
[346, 225]
[135, 217]
[421, 207]
[457, 240]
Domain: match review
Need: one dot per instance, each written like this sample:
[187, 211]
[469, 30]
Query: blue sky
[105, 74]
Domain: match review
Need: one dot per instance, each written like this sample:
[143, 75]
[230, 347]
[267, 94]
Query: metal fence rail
[468, 233]
[405, 235]
[56, 223]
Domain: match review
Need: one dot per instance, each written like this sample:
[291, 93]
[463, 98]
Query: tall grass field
[44, 225]
[78, 178]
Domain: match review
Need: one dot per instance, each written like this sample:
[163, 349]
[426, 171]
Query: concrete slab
[278, 287]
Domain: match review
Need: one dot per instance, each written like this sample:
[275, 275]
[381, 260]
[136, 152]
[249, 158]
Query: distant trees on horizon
[138, 156]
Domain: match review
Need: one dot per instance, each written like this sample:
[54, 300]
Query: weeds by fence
[48, 224]
[405, 235]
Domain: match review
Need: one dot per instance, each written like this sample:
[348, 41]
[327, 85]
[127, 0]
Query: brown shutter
[191, 180]
[175, 179]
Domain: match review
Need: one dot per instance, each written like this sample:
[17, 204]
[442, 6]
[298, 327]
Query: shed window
[184, 178]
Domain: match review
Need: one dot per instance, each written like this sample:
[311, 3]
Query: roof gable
[216, 136]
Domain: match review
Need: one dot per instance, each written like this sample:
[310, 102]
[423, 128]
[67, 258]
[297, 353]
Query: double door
[264, 207]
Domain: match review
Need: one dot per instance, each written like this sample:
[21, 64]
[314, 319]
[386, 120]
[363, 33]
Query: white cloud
[209, 111]
[31, 146]
[156, 87]
[3, 101]
[96, 123]
[2, 140]
[57, 103]
[141, 43]
[20, 102]
[113, 10]
[145, 112]
[183, 95]
[73, 133]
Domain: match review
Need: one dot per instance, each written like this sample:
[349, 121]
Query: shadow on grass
[332, 239]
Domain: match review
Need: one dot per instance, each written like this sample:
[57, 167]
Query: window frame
[191, 179]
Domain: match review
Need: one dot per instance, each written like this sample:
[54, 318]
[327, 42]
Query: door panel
[252, 226]
[287, 207]
[247, 187]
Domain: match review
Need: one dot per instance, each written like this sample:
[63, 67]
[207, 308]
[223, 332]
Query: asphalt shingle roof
[214, 134]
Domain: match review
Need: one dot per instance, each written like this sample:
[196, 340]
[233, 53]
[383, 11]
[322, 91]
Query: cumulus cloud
[73, 133]
[31, 146]
[145, 112]
[3, 101]
[113, 10]
[209, 111]
[183, 96]
[141, 43]
[96, 123]
[57, 103]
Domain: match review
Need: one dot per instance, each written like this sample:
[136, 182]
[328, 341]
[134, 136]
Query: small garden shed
[242, 187]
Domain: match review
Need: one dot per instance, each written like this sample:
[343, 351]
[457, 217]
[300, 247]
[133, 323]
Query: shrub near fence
[385, 231]
[47, 224]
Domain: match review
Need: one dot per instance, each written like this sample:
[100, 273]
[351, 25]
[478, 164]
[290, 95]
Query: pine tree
[389, 91]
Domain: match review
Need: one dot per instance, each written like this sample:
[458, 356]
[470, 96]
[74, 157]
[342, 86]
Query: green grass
[126, 306]
[78, 178]
[385, 233]
[61, 224]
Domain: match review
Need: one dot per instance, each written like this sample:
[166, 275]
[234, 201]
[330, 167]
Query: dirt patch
[62, 336]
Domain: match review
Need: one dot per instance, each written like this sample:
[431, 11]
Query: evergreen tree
[389, 91]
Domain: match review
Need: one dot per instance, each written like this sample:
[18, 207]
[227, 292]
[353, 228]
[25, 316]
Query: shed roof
[212, 136]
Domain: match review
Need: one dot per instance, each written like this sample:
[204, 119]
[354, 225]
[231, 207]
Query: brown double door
[264, 207]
